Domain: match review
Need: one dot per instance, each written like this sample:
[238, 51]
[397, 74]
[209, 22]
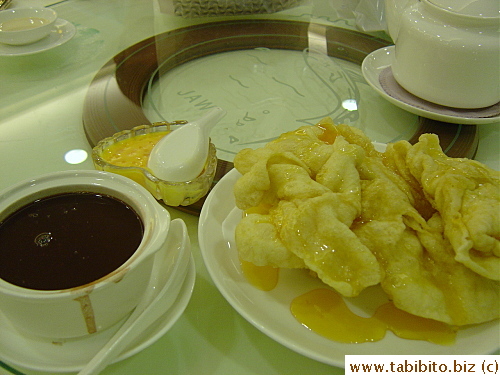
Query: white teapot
[447, 51]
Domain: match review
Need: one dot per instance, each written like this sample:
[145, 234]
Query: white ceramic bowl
[447, 52]
[102, 303]
[26, 25]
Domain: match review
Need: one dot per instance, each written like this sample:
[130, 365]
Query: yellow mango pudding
[127, 153]
[134, 151]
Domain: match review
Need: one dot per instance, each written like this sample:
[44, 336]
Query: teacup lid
[474, 8]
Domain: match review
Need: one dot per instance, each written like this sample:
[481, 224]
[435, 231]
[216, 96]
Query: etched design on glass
[265, 92]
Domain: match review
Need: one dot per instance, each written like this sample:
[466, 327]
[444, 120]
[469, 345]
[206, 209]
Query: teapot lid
[475, 8]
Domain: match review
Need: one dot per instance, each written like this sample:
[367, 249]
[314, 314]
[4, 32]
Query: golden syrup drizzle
[325, 312]
[329, 133]
[262, 209]
[262, 277]
[412, 327]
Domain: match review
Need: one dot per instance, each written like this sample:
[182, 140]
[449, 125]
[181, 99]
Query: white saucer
[72, 355]
[376, 62]
[62, 32]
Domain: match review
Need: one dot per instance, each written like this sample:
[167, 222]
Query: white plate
[72, 355]
[62, 32]
[375, 63]
[270, 311]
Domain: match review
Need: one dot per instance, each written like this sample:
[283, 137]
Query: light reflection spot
[76, 156]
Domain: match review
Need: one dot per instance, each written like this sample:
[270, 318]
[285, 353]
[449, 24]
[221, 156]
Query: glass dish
[172, 193]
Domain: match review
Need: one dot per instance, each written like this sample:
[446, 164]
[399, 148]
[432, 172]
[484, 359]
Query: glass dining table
[272, 65]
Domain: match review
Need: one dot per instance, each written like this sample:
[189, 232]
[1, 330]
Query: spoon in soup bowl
[169, 270]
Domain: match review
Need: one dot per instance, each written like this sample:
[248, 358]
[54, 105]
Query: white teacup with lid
[448, 51]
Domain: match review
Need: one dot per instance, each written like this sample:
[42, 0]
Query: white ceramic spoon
[181, 155]
[175, 256]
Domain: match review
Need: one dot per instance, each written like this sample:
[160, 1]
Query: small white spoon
[176, 255]
[181, 155]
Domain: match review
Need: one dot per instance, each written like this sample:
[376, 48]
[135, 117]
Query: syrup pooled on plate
[325, 312]
[262, 277]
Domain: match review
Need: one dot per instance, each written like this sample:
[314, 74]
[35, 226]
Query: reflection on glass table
[267, 92]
